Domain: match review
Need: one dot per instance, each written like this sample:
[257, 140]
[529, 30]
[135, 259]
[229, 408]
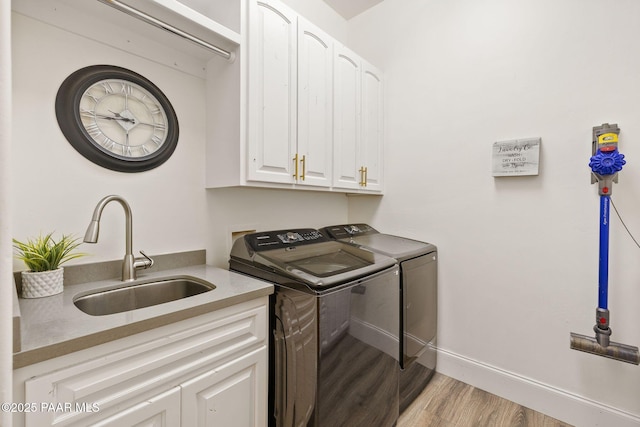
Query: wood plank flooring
[447, 402]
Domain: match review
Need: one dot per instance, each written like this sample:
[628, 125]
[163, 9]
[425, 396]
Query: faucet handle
[143, 263]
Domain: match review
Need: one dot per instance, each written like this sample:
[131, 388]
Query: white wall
[56, 189]
[246, 209]
[518, 256]
[6, 291]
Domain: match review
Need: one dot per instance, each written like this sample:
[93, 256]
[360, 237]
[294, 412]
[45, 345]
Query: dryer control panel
[283, 238]
[345, 231]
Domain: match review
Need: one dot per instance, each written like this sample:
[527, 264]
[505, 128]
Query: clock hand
[121, 117]
[117, 117]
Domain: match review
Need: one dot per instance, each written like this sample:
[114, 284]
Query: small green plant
[45, 253]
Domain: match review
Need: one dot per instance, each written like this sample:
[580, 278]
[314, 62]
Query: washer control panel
[284, 238]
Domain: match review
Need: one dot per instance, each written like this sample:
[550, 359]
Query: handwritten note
[516, 158]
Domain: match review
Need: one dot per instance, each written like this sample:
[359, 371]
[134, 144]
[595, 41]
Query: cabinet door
[315, 104]
[234, 394]
[346, 119]
[371, 148]
[159, 411]
[272, 92]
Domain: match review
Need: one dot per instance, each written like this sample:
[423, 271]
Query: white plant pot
[42, 283]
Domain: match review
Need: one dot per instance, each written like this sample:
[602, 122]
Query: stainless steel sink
[140, 295]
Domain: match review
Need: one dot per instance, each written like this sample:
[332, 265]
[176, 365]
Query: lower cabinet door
[230, 395]
[162, 410]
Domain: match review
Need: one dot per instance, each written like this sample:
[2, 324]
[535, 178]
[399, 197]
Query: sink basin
[140, 295]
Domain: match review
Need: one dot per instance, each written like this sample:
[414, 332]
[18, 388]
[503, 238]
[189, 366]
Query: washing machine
[334, 323]
[418, 294]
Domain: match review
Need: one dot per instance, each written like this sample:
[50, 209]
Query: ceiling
[350, 8]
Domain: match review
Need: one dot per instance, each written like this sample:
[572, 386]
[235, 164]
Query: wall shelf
[100, 22]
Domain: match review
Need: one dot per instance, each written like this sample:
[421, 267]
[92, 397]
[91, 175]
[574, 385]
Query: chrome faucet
[130, 265]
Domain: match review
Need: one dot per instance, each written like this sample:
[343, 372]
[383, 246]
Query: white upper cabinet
[371, 144]
[310, 110]
[290, 93]
[315, 105]
[272, 92]
[346, 116]
[358, 119]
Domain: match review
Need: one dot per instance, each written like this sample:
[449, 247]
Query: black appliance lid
[308, 256]
[365, 236]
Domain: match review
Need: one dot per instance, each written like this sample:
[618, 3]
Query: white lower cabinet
[227, 395]
[210, 370]
[159, 411]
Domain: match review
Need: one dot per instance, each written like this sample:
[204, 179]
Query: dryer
[418, 295]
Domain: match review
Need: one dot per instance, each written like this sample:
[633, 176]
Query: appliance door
[335, 354]
[420, 301]
[295, 355]
[358, 369]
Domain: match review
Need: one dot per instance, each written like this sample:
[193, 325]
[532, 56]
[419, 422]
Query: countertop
[53, 326]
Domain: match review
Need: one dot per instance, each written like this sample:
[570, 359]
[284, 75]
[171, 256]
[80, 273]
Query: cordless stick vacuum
[605, 163]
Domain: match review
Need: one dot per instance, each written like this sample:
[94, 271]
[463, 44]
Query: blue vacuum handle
[603, 270]
[605, 165]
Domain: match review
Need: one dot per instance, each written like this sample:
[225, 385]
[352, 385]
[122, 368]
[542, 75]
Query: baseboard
[560, 404]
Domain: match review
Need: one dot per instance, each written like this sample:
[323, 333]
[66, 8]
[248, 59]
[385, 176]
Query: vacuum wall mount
[605, 163]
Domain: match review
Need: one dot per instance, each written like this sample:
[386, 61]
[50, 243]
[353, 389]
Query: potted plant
[43, 256]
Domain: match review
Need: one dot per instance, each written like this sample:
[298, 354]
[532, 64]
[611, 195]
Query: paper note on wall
[518, 157]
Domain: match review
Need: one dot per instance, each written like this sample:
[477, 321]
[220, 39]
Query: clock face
[123, 119]
[117, 118]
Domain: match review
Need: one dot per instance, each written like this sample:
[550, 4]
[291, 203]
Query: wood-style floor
[450, 403]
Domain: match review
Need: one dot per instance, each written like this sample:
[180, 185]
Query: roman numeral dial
[117, 118]
[123, 118]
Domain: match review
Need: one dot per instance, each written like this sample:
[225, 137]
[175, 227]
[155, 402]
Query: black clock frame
[68, 116]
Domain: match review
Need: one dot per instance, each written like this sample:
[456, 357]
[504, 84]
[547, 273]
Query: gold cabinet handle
[365, 176]
[295, 167]
[362, 176]
[304, 166]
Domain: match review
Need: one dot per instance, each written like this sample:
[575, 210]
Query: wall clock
[117, 118]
